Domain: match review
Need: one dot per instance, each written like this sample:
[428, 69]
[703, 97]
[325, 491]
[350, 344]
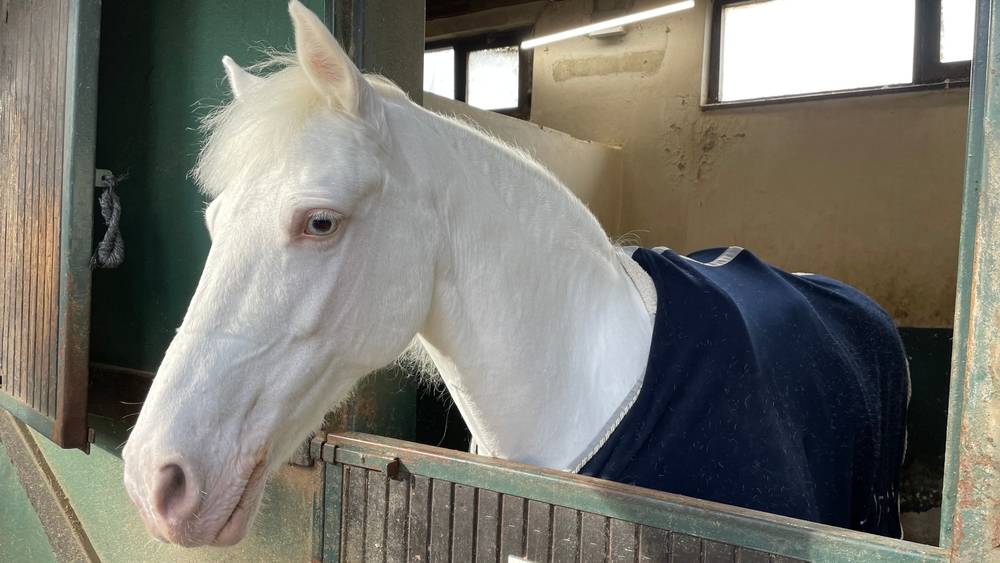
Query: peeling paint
[641, 61]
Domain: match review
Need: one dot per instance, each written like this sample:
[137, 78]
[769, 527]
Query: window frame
[929, 72]
[507, 38]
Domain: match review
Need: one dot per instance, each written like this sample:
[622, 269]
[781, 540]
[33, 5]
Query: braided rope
[111, 250]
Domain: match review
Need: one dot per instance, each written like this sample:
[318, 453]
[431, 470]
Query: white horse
[347, 222]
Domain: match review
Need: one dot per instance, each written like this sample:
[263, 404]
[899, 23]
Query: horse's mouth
[238, 523]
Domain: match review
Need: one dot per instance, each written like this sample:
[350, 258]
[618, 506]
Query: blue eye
[321, 223]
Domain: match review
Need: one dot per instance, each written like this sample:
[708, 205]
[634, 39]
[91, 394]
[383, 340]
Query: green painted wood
[160, 72]
[77, 223]
[971, 505]
[683, 516]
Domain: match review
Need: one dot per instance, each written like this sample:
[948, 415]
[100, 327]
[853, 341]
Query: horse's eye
[321, 223]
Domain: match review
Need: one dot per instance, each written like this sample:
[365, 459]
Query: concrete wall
[591, 170]
[864, 189]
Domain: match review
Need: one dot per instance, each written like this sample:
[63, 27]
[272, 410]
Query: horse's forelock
[247, 136]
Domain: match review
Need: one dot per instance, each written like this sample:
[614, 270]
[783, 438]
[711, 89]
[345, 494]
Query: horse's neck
[538, 332]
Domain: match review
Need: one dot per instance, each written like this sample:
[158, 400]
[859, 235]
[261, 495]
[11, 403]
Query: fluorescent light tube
[614, 22]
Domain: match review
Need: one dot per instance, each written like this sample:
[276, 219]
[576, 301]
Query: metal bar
[971, 491]
[746, 528]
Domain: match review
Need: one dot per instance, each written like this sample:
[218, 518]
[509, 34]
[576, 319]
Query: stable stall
[99, 104]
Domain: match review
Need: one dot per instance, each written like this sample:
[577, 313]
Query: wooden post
[970, 521]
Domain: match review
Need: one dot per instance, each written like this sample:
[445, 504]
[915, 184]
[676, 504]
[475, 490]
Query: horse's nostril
[175, 493]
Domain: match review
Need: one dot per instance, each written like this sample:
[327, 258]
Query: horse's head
[319, 272]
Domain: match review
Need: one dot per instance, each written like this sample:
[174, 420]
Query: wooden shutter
[48, 106]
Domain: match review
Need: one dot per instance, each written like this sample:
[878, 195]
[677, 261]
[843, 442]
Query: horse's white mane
[246, 136]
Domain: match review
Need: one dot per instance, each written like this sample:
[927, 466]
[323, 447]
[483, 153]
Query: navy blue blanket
[767, 390]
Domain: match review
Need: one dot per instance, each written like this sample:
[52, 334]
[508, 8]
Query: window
[489, 72]
[767, 49]
[439, 72]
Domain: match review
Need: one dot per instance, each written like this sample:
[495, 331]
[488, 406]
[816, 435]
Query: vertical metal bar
[971, 495]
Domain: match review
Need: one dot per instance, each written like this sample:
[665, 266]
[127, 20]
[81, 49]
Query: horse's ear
[240, 81]
[326, 64]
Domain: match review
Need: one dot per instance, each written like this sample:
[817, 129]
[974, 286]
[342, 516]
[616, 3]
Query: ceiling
[448, 8]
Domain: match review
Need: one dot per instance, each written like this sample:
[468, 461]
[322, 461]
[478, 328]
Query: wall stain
[710, 139]
[639, 61]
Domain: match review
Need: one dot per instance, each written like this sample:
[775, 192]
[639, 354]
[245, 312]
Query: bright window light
[493, 78]
[785, 47]
[439, 72]
[958, 21]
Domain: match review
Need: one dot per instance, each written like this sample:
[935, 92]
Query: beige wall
[865, 189]
[591, 170]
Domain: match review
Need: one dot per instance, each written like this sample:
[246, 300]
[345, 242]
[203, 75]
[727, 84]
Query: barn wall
[592, 171]
[864, 189]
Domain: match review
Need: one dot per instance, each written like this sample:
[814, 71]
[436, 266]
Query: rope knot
[111, 250]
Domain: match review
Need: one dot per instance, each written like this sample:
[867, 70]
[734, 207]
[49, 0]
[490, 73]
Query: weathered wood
[743, 555]
[654, 544]
[488, 527]
[463, 529]
[354, 514]
[397, 514]
[539, 531]
[334, 494]
[685, 548]
[970, 510]
[690, 520]
[565, 535]
[514, 519]
[622, 541]
[375, 516]
[441, 506]
[593, 538]
[47, 121]
[418, 536]
[718, 552]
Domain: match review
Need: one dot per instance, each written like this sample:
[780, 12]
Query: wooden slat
[463, 529]
[398, 508]
[354, 514]
[654, 544]
[593, 538]
[535, 529]
[375, 516]
[685, 548]
[623, 540]
[538, 531]
[718, 552]
[43, 262]
[565, 535]
[488, 527]
[514, 518]
[744, 555]
[441, 503]
[418, 536]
